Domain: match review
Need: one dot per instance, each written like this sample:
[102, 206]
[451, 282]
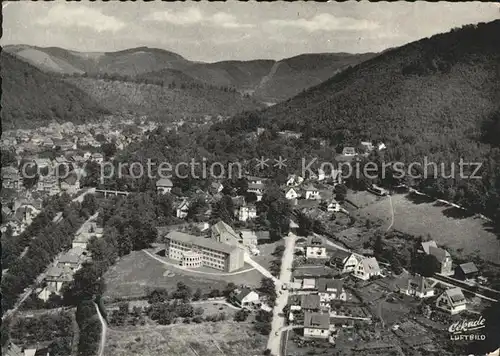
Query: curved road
[104, 330]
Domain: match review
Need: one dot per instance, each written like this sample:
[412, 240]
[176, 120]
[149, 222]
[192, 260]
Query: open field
[221, 338]
[136, 272]
[430, 218]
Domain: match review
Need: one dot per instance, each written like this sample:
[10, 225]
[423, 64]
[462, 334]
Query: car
[377, 191]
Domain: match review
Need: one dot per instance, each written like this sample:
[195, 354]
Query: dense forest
[32, 98]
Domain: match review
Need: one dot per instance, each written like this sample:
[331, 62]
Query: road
[259, 268]
[103, 331]
[278, 322]
[392, 215]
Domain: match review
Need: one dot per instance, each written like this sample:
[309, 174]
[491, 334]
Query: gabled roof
[260, 186]
[164, 182]
[439, 253]
[242, 294]
[468, 267]
[315, 241]
[427, 244]
[370, 265]
[455, 296]
[310, 187]
[324, 284]
[222, 228]
[316, 320]
[201, 241]
[310, 301]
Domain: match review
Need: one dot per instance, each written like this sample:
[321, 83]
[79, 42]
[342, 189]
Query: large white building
[197, 251]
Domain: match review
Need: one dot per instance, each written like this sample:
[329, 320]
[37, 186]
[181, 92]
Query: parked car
[377, 190]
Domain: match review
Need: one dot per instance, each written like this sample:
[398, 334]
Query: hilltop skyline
[235, 31]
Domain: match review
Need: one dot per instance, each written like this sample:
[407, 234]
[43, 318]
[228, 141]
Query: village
[307, 291]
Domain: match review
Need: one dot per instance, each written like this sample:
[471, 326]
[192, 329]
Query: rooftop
[200, 241]
[325, 284]
[316, 320]
[310, 301]
[468, 267]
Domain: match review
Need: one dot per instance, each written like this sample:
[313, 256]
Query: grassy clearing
[442, 223]
[137, 272]
[222, 338]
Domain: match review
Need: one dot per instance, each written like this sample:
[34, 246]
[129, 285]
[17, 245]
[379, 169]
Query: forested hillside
[437, 98]
[267, 80]
[31, 98]
[163, 100]
[132, 61]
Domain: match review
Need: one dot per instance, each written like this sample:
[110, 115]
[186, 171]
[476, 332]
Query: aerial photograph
[236, 178]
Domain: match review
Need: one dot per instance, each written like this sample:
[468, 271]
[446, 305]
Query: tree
[241, 315]
[108, 149]
[277, 210]
[183, 292]
[223, 210]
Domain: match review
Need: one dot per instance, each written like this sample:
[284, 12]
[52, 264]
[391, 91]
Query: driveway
[278, 322]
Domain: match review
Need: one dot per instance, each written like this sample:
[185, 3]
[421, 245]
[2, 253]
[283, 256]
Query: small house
[216, 187]
[466, 271]
[97, 157]
[310, 302]
[294, 180]
[246, 212]
[291, 193]
[349, 151]
[350, 263]
[315, 247]
[312, 192]
[182, 209]
[452, 301]
[164, 185]
[316, 325]
[245, 298]
[331, 289]
[222, 232]
[249, 238]
[333, 206]
[416, 286]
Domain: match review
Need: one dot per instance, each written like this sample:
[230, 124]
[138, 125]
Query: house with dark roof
[466, 271]
[330, 290]
[315, 247]
[164, 185]
[316, 325]
[182, 209]
[338, 257]
[452, 301]
[311, 192]
[349, 151]
[310, 302]
[443, 257]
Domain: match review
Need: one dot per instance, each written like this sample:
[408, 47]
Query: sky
[210, 32]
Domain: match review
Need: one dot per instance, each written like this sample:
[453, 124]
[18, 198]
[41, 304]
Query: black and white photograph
[245, 178]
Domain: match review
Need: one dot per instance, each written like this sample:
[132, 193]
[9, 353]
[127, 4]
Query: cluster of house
[364, 148]
[69, 262]
[68, 136]
[18, 213]
[40, 349]
[359, 266]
